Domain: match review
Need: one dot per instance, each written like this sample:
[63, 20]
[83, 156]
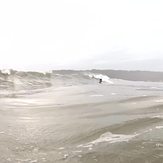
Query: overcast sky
[81, 34]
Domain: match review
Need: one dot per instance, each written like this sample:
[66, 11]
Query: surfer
[100, 80]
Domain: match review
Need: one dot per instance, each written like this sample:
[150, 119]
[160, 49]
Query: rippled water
[78, 120]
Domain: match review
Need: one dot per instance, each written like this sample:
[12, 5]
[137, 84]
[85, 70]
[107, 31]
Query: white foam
[100, 76]
[159, 101]
[61, 148]
[158, 116]
[6, 71]
[109, 137]
[97, 95]
[2, 132]
[113, 138]
[159, 127]
[90, 148]
[65, 156]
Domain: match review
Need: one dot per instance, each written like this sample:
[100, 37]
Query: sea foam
[110, 138]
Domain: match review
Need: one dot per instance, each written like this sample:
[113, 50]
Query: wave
[6, 71]
[104, 78]
[15, 81]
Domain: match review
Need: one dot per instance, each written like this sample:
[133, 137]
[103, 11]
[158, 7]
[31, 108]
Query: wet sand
[119, 123]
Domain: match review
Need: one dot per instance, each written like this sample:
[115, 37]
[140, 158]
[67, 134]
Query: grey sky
[81, 34]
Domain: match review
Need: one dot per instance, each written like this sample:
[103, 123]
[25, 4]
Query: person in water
[100, 80]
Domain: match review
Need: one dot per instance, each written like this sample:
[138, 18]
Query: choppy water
[71, 118]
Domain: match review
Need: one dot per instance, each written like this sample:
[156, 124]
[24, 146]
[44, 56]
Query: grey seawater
[79, 120]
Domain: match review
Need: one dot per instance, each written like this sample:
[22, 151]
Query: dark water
[71, 118]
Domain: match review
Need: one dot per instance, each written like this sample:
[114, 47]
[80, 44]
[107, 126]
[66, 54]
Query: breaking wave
[100, 76]
[11, 80]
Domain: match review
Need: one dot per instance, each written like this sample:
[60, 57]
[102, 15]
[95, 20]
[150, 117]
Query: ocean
[69, 117]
